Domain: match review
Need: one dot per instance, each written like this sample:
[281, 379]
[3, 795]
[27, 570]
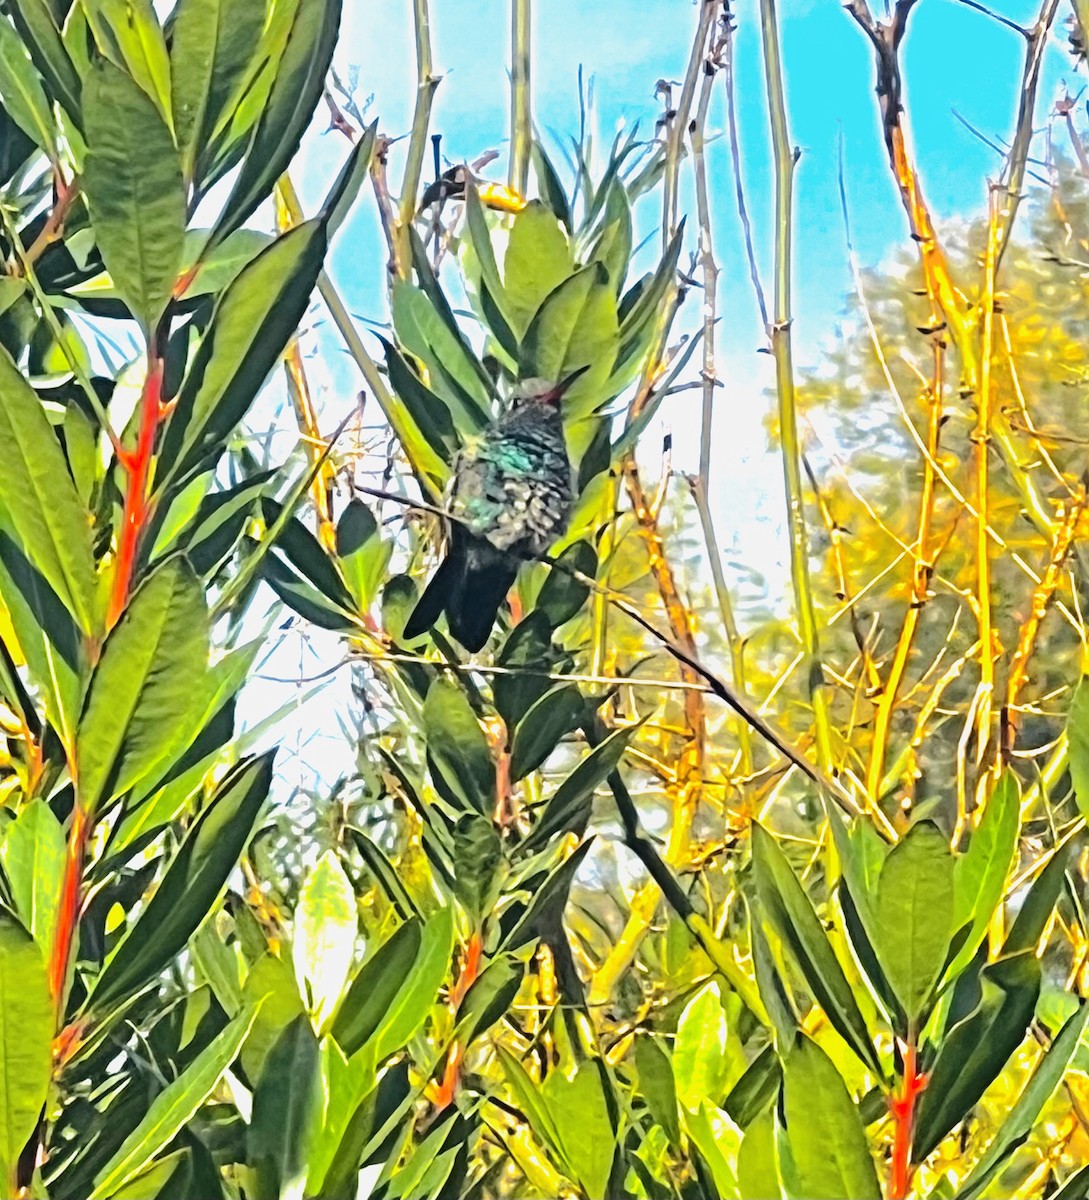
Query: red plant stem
[443, 1095]
[70, 897]
[138, 466]
[902, 1108]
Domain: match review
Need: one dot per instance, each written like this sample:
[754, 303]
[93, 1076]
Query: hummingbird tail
[471, 609]
[429, 607]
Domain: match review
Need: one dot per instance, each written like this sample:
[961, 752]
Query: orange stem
[138, 466]
[442, 1096]
[68, 915]
[902, 1108]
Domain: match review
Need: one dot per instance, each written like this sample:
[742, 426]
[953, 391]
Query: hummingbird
[509, 500]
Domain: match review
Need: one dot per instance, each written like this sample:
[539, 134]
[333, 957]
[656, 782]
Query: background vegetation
[676, 890]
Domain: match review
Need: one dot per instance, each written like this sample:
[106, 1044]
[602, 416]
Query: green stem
[785, 158]
[521, 116]
[429, 468]
[700, 484]
[426, 83]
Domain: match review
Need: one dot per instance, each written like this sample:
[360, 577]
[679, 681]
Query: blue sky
[954, 59]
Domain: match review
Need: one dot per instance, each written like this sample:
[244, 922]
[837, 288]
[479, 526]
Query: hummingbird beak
[558, 392]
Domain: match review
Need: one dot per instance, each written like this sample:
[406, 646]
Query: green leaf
[1036, 908]
[213, 43]
[454, 372]
[250, 327]
[979, 875]
[193, 885]
[784, 906]
[33, 854]
[827, 1141]
[172, 1109]
[390, 997]
[971, 1055]
[528, 657]
[914, 910]
[133, 183]
[375, 987]
[128, 33]
[21, 90]
[657, 1085]
[364, 556]
[284, 1103]
[480, 240]
[580, 1115]
[1077, 735]
[306, 554]
[757, 1169]
[39, 507]
[347, 1088]
[46, 566]
[293, 96]
[147, 691]
[576, 326]
[345, 190]
[571, 802]
[717, 1141]
[324, 941]
[1075, 1187]
[457, 748]
[548, 182]
[431, 415]
[561, 597]
[153, 1183]
[540, 731]
[538, 259]
[271, 989]
[612, 248]
[220, 965]
[26, 1041]
[530, 1100]
[36, 25]
[754, 1091]
[478, 854]
[699, 1049]
[1022, 1118]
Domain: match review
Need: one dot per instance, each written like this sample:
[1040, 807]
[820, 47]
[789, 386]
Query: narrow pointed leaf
[544, 726]
[250, 327]
[784, 904]
[284, 1103]
[457, 748]
[212, 45]
[193, 885]
[147, 691]
[35, 23]
[26, 1040]
[1022, 1118]
[325, 930]
[173, 1108]
[32, 855]
[827, 1140]
[133, 183]
[295, 92]
[974, 1052]
[979, 875]
[538, 259]
[914, 910]
[22, 93]
[128, 33]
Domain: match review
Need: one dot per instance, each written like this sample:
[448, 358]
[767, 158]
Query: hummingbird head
[544, 392]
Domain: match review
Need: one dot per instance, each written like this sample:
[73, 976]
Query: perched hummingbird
[511, 496]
